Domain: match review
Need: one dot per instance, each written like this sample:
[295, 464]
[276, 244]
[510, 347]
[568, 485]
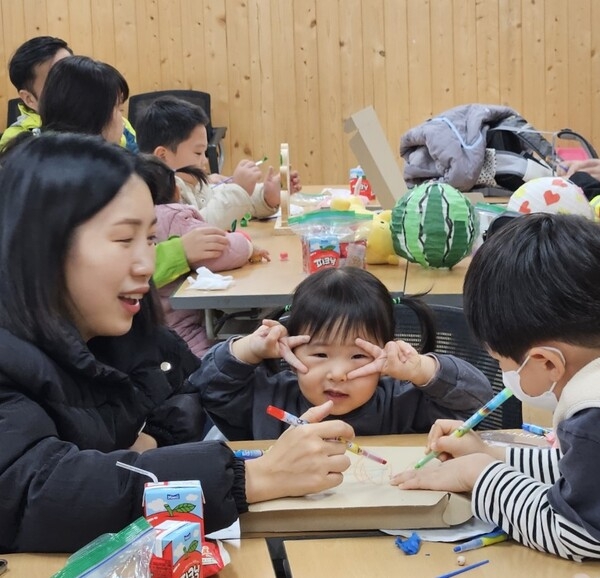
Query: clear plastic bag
[329, 238]
[125, 554]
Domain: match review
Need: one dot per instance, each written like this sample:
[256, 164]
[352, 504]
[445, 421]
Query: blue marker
[248, 454]
[535, 429]
[498, 535]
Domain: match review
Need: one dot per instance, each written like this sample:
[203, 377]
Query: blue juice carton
[180, 501]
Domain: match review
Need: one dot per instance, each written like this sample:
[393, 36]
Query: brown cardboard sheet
[364, 501]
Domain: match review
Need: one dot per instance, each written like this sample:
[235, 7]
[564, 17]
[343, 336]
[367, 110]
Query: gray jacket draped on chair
[450, 147]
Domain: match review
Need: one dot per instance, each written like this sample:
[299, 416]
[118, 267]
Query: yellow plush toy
[351, 203]
[380, 248]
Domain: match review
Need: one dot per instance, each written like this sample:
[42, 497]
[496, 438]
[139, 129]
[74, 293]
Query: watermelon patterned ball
[555, 195]
[435, 225]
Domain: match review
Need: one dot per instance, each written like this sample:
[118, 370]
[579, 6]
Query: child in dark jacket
[339, 341]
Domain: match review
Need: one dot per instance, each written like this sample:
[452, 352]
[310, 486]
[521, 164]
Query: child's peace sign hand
[269, 341]
[397, 359]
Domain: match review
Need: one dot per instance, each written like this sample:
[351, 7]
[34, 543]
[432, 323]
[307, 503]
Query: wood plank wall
[292, 70]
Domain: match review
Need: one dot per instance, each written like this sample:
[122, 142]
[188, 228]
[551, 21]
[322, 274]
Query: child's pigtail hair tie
[287, 308]
[396, 300]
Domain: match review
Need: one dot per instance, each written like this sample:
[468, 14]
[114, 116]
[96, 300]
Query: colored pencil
[464, 569]
[474, 420]
[353, 447]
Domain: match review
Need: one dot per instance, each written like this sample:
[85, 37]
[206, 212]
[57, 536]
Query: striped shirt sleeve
[541, 465]
[519, 504]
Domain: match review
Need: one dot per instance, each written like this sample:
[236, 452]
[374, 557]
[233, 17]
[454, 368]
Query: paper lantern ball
[555, 195]
[435, 225]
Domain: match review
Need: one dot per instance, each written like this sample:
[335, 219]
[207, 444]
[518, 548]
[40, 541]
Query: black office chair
[12, 112]
[215, 152]
[454, 338]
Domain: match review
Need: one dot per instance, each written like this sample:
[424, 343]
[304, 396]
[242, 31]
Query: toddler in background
[220, 250]
[175, 131]
[339, 340]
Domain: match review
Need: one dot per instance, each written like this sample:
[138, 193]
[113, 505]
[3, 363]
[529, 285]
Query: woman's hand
[301, 461]
[397, 359]
[144, 442]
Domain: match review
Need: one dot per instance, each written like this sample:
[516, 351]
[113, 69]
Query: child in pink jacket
[222, 250]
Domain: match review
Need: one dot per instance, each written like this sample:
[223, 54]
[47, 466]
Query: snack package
[329, 239]
[177, 550]
[214, 557]
[123, 555]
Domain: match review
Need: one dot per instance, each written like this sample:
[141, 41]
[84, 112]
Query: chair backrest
[454, 338]
[13, 112]
[138, 102]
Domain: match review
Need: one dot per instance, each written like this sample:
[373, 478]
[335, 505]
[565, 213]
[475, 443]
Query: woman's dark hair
[160, 178]
[352, 301]
[80, 95]
[49, 186]
[536, 279]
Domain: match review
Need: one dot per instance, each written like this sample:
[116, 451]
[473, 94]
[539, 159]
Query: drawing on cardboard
[356, 505]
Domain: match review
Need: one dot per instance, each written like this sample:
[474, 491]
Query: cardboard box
[177, 550]
[371, 148]
[364, 501]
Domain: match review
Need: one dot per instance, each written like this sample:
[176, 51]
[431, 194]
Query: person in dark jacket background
[87, 375]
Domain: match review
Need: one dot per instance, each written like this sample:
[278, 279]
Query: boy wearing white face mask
[532, 296]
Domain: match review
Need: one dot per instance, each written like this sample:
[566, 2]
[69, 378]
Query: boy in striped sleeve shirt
[532, 296]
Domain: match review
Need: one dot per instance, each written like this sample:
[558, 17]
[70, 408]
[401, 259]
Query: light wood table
[379, 556]
[250, 560]
[271, 285]
[310, 556]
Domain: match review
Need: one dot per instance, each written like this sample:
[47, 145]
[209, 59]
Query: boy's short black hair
[21, 68]
[536, 280]
[168, 121]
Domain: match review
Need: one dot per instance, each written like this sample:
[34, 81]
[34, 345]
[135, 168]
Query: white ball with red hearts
[555, 195]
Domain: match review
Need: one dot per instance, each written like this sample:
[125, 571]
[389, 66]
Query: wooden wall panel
[293, 70]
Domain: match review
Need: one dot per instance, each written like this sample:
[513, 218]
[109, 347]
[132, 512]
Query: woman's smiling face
[110, 262]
